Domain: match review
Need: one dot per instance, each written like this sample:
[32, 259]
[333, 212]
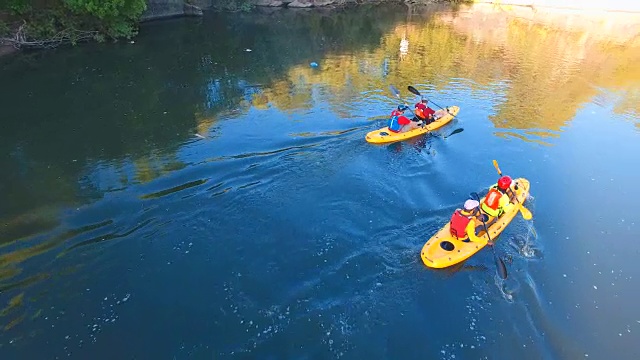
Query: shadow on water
[462, 267]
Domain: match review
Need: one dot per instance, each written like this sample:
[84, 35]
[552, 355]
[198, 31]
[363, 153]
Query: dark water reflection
[204, 192]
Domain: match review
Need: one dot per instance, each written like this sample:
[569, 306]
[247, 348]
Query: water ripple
[174, 189]
[20, 255]
[107, 237]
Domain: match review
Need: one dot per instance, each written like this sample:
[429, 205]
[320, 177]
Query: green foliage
[4, 28]
[16, 6]
[97, 8]
[47, 18]
[115, 18]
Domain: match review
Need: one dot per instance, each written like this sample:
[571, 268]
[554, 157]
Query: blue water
[183, 198]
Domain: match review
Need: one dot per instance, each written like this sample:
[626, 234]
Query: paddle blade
[495, 165]
[501, 268]
[413, 90]
[394, 90]
[456, 131]
[526, 214]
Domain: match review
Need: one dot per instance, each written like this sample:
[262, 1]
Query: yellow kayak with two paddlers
[384, 135]
[444, 249]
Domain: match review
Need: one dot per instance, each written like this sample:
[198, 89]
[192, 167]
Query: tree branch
[21, 39]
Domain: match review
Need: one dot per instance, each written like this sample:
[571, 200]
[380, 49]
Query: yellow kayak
[444, 250]
[384, 135]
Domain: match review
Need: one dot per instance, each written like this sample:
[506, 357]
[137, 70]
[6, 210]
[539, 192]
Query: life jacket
[394, 124]
[427, 111]
[419, 113]
[458, 225]
[492, 202]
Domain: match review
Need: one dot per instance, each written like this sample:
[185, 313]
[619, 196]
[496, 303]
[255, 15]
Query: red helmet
[504, 182]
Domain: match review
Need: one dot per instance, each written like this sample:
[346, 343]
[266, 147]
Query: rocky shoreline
[313, 3]
[159, 9]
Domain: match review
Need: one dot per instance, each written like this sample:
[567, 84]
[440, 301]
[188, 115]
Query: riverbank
[6, 50]
[56, 24]
[160, 9]
[157, 9]
[610, 26]
[591, 9]
[584, 5]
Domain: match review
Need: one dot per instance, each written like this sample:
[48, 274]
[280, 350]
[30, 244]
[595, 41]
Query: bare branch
[22, 40]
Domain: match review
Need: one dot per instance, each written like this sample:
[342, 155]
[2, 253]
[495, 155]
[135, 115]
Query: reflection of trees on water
[546, 73]
[553, 65]
[80, 122]
[140, 101]
[83, 121]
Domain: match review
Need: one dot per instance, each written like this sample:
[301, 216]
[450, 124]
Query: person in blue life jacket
[399, 123]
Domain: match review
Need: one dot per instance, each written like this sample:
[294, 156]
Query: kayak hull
[384, 135]
[443, 250]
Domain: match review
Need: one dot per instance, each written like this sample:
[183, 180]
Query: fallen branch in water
[21, 39]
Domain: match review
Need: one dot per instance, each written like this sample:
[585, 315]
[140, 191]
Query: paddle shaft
[439, 106]
[397, 94]
[500, 267]
[415, 91]
[499, 264]
[521, 207]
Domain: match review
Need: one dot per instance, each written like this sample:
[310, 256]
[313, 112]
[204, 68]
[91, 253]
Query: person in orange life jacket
[497, 200]
[427, 114]
[463, 222]
[399, 123]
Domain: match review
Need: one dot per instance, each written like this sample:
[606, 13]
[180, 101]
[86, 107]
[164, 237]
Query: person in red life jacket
[497, 200]
[399, 123]
[423, 112]
[427, 114]
[463, 222]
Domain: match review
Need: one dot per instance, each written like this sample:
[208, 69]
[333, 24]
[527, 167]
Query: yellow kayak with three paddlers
[449, 247]
[384, 135]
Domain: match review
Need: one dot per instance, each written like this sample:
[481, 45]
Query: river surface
[205, 193]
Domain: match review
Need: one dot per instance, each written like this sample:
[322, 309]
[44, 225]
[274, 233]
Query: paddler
[463, 222]
[399, 123]
[425, 113]
[497, 200]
